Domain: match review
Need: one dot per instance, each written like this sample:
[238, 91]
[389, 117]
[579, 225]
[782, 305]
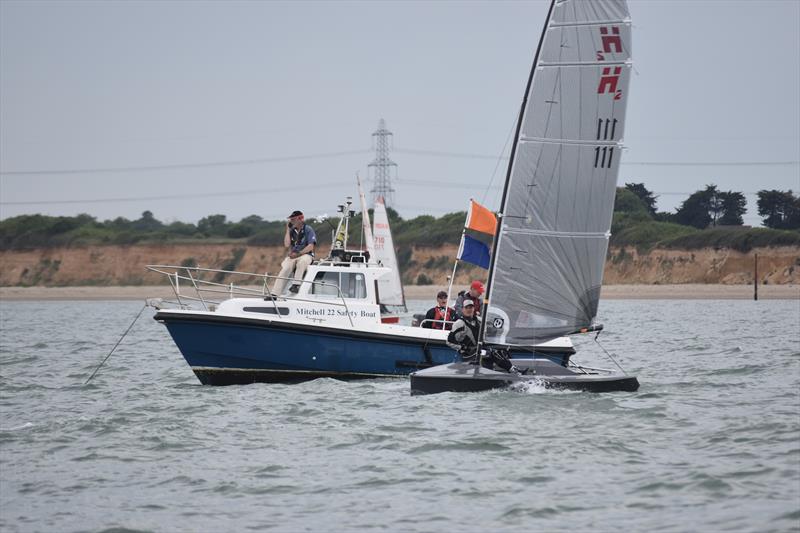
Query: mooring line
[115, 346]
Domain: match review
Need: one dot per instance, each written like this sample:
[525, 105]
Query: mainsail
[390, 289]
[547, 266]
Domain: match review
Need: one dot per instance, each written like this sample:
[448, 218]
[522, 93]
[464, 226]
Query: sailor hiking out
[464, 339]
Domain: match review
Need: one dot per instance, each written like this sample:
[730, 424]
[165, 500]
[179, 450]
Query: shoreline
[426, 292]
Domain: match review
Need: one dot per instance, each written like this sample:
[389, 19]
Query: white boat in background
[390, 287]
[393, 278]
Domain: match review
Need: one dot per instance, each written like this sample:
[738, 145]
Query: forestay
[557, 206]
[390, 289]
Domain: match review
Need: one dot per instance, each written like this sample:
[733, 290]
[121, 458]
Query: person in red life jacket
[441, 312]
[474, 293]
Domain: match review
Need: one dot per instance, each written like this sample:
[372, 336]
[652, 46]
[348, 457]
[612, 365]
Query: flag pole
[460, 244]
[453, 276]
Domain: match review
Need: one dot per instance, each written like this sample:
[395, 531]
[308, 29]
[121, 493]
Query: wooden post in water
[755, 279]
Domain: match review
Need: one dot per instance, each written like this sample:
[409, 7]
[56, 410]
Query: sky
[194, 108]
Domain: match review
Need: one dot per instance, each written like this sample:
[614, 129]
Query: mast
[495, 241]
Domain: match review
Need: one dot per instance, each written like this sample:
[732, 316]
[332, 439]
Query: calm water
[710, 442]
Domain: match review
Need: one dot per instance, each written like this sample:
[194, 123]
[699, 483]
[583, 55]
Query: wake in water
[538, 386]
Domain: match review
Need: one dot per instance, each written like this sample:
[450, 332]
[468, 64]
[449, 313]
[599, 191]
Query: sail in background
[390, 289]
[559, 199]
[366, 226]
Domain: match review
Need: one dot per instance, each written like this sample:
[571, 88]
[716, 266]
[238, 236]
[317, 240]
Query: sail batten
[547, 267]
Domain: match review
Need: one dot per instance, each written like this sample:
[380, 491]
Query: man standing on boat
[437, 316]
[464, 339]
[474, 293]
[300, 240]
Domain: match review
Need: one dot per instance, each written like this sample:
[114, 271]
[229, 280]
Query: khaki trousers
[298, 264]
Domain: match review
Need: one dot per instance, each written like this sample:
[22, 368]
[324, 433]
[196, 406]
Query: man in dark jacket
[464, 339]
[300, 241]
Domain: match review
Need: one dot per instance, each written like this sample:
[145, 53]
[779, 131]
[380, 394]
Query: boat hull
[226, 350]
[463, 377]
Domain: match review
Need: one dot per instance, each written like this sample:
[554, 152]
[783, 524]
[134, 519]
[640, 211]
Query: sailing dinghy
[549, 248]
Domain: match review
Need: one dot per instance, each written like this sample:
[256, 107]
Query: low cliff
[125, 265]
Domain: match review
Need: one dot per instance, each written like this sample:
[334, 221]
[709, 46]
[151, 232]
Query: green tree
[695, 210]
[626, 201]
[213, 225]
[644, 195]
[711, 207]
[779, 209]
[147, 223]
[733, 207]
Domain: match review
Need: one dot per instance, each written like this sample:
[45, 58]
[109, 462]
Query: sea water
[710, 442]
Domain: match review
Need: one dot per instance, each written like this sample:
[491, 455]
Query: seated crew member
[438, 313]
[464, 339]
[300, 240]
[474, 293]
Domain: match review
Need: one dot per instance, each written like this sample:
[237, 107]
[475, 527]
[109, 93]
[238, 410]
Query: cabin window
[352, 284]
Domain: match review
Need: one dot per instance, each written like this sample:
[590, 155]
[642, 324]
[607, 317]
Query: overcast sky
[194, 108]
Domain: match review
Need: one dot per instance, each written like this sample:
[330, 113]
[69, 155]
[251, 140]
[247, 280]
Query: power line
[177, 166]
[327, 155]
[331, 185]
[437, 153]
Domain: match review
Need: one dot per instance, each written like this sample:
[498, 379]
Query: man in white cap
[464, 339]
[300, 240]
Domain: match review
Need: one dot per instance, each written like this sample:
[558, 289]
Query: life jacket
[299, 238]
[443, 316]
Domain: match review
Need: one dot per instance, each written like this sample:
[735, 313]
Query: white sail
[547, 268]
[390, 288]
[365, 223]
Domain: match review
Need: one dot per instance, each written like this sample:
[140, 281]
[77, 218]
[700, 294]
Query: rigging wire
[500, 158]
[608, 354]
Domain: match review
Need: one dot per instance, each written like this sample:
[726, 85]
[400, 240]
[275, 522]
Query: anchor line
[608, 354]
[117, 344]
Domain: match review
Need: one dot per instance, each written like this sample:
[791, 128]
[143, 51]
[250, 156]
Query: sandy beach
[423, 292]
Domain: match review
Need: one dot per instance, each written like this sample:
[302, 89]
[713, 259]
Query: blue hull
[230, 350]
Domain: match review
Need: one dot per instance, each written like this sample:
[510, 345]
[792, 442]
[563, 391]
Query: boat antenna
[500, 215]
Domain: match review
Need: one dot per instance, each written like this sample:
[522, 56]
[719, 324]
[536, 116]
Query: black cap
[295, 214]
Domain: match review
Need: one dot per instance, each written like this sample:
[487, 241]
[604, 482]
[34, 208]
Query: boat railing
[208, 292]
[431, 320]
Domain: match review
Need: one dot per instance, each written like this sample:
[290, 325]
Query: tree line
[636, 222]
[712, 207]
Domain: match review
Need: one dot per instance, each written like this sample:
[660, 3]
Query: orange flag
[480, 219]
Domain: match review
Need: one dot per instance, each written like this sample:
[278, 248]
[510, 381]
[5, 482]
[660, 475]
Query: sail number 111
[603, 156]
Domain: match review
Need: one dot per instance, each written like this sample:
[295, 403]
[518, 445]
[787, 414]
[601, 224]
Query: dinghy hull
[463, 377]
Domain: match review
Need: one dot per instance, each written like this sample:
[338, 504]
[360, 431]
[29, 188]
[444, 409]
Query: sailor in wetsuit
[464, 339]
